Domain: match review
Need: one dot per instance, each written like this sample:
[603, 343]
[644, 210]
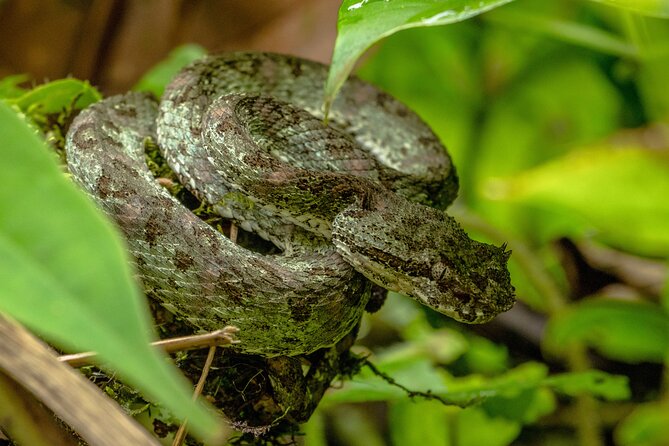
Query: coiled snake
[346, 202]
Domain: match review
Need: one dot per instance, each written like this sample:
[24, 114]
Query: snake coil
[347, 203]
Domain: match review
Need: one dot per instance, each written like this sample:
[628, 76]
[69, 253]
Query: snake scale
[348, 202]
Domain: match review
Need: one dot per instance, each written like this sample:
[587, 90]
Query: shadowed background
[113, 42]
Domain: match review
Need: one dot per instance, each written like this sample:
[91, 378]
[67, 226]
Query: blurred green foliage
[64, 270]
[556, 116]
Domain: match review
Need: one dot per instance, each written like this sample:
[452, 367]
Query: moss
[53, 127]
[237, 197]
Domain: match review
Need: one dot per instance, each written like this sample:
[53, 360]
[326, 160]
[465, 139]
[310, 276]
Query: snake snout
[421, 252]
[484, 286]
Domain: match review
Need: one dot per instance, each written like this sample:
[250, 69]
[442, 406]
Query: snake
[353, 200]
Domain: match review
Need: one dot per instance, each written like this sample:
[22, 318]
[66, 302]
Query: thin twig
[220, 337]
[410, 393]
[180, 436]
[234, 231]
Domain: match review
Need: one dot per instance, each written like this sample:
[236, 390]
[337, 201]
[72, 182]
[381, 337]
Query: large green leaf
[64, 273]
[314, 430]
[657, 8]
[626, 331]
[621, 194]
[361, 23]
[543, 115]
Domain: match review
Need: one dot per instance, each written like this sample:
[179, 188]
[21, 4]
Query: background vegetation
[556, 116]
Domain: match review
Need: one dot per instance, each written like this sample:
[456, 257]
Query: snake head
[423, 253]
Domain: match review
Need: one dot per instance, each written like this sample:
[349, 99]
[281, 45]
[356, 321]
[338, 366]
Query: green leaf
[593, 382]
[430, 423]
[9, 86]
[619, 193]
[627, 331]
[155, 80]
[56, 96]
[521, 397]
[64, 273]
[540, 118]
[484, 356]
[361, 23]
[657, 8]
[646, 426]
[651, 37]
[421, 375]
[664, 298]
[314, 430]
[526, 407]
[419, 422]
[569, 31]
[355, 426]
[476, 428]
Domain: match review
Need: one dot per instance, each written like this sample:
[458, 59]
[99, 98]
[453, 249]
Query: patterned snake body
[244, 131]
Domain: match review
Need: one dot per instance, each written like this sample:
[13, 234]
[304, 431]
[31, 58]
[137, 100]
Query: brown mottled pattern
[245, 131]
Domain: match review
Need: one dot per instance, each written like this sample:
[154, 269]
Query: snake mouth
[465, 307]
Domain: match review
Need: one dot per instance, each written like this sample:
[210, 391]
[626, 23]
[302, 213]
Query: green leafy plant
[530, 101]
[69, 279]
